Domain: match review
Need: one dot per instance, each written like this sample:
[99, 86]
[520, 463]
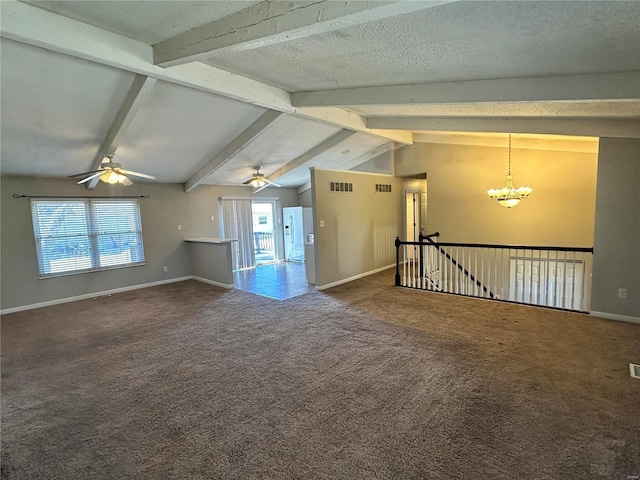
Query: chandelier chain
[509, 172]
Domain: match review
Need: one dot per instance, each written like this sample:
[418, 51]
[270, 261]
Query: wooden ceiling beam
[373, 153]
[238, 144]
[544, 126]
[270, 23]
[306, 157]
[139, 89]
[34, 26]
[561, 88]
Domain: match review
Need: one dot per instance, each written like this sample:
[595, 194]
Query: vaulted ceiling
[200, 92]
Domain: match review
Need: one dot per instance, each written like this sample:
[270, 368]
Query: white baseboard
[355, 277]
[213, 282]
[92, 295]
[615, 316]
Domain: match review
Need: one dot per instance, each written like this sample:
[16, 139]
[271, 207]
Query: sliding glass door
[264, 231]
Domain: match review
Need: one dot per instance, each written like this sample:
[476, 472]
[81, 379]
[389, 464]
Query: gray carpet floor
[365, 380]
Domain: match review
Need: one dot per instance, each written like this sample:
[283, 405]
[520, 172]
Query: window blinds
[85, 235]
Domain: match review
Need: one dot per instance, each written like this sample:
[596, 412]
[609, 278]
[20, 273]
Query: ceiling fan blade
[85, 173]
[91, 177]
[271, 183]
[126, 182]
[248, 182]
[136, 174]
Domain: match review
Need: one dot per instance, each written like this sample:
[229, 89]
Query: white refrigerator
[298, 222]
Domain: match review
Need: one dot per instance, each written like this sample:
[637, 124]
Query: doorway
[415, 205]
[264, 231]
[412, 202]
[412, 215]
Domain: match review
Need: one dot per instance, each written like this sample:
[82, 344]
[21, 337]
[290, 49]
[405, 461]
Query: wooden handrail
[492, 245]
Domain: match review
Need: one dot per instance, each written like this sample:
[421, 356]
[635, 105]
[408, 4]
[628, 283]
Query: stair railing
[557, 277]
[428, 239]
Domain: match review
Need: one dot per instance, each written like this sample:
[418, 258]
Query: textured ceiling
[178, 129]
[284, 140]
[148, 21]
[355, 147]
[457, 41]
[55, 127]
[56, 110]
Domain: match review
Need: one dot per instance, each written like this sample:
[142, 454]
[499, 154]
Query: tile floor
[280, 281]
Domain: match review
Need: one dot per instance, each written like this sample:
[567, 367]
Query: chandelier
[509, 196]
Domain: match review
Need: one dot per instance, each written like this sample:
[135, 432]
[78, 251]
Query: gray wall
[168, 207]
[616, 255]
[212, 261]
[204, 202]
[305, 198]
[163, 245]
[360, 227]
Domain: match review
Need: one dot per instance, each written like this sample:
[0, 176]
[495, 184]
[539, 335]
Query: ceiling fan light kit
[112, 173]
[258, 181]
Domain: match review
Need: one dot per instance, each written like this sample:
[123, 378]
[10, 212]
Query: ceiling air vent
[383, 188]
[345, 187]
[635, 370]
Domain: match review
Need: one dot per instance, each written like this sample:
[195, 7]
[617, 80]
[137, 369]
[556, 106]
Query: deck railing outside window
[558, 277]
[263, 242]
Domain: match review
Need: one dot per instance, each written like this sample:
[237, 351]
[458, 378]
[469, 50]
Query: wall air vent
[383, 188]
[635, 370]
[344, 187]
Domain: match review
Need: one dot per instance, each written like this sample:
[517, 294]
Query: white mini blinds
[75, 236]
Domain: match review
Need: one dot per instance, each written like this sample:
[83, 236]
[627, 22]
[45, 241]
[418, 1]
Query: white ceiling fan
[259, 181]
[111, 172]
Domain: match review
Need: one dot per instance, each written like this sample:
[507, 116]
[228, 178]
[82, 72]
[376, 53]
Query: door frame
[276, 223]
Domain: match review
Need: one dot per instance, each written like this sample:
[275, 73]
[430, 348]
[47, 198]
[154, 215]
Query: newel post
[421, 239]
[397, 261]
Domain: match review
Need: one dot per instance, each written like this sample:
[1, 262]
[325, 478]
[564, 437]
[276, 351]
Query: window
[86, 235]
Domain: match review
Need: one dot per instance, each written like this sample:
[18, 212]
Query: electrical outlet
[165, 268]
[622, 293]
[321, 223]
[179, 227]
[213, 219]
